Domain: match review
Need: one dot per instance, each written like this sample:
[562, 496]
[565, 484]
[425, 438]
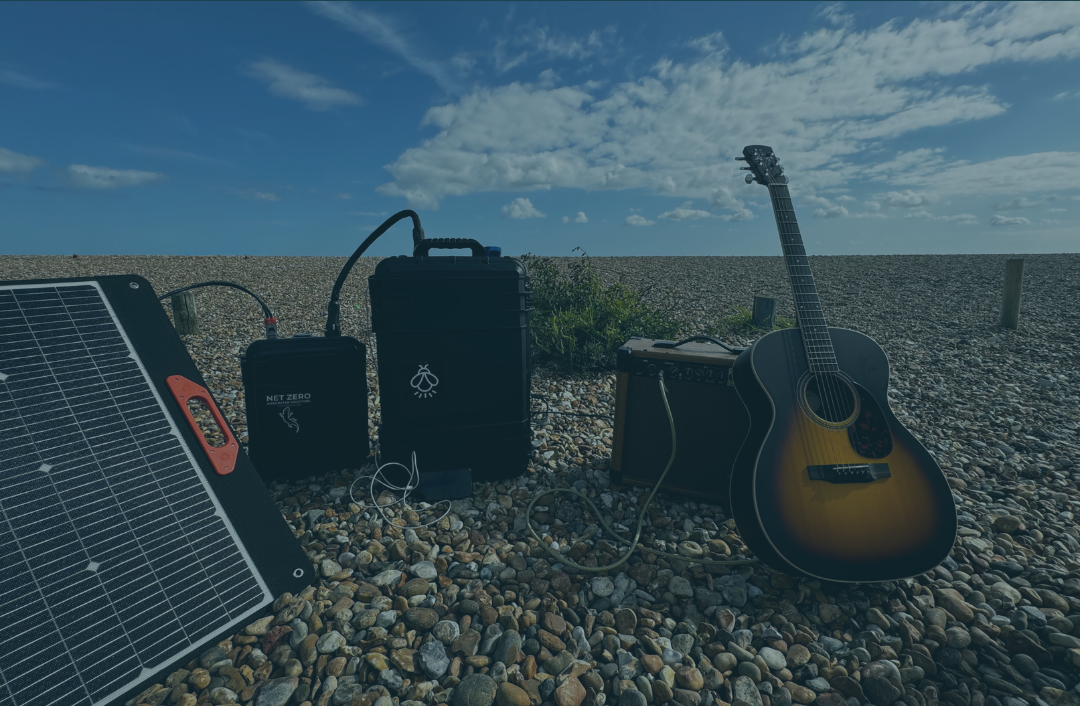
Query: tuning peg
[749, 178]
[745, 169]
[740, 159]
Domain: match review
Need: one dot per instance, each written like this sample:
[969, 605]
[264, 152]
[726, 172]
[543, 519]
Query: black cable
[221, 283]
[574, 414]
[333, 309]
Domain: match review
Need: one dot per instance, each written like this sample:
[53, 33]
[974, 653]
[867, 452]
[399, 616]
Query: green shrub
[739, 324]
[578, 322]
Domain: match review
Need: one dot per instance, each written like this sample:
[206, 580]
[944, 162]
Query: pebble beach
[471, 611]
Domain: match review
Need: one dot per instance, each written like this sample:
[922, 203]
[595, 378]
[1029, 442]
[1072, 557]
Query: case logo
[424, 382]
[286, 416]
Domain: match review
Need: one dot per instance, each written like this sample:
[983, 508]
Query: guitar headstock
[764, 166]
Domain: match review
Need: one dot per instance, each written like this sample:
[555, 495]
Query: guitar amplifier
[710, 419]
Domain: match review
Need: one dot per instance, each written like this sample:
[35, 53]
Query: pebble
[276, 692]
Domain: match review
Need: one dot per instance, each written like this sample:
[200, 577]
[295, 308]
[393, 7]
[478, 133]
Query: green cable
[566, 561]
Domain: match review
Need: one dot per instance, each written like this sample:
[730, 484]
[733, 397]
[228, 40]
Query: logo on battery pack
[286, 416]
[424, 382]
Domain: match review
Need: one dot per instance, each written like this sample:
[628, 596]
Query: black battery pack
[453, 352]
[307, 405]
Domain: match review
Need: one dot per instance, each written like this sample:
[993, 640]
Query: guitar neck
[815, 332]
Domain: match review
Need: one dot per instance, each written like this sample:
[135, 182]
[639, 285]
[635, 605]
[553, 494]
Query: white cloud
[636, 220]
[830, 210]
[168, 153]
[15, 163]
[260, 195]
[1016, 204]
[1049, 220]
[344, 197]
[834, 14]
[845, 198]
[105, 178]
[675, 129]
[961, 218]
[833, 211]
[1009, 221]
[532, 43]
[380, 31]
[1043, 171]
[287, 82]
[743, 214]
[18, 79]
[724, 197]
[967, 219]
[581, 217]
[709, 44]
[566, 219]
[520, 208]
[547, 78]
[1021, 203]
[905, 199]
[685, 213]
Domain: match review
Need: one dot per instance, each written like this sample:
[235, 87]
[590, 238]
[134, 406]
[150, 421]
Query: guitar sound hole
[829, 399]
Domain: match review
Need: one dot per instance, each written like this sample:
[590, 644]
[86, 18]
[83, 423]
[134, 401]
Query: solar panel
[122, 549]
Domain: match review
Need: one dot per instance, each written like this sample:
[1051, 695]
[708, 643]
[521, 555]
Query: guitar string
[806, 332]
[830, 386]
[811, 447]
[824, 388]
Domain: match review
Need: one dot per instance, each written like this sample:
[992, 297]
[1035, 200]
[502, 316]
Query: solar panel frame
[242, 507]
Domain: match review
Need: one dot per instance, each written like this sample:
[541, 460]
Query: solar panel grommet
[298, 573]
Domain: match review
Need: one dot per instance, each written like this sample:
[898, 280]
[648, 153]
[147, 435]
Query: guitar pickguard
[869, 434]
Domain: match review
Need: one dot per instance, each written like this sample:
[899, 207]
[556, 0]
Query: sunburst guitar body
[828, 482]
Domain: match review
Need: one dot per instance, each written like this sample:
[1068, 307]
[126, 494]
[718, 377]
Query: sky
[297, 128]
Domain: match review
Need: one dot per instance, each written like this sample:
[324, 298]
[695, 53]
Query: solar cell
[117, 557]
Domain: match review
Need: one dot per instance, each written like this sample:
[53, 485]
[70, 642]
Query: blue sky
[296, 128]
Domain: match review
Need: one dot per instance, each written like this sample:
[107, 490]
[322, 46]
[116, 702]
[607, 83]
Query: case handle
[425, 245]
[672, 344]
[222, 458]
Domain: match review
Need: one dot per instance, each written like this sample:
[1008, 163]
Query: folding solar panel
[127, 544]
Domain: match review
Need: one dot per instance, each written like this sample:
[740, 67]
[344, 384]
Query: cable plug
[271, 328]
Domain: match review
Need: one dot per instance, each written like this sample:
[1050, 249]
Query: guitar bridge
[849, 472]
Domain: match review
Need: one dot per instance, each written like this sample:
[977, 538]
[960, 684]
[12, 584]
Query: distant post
[1014, 281]
[764, 315]
[185, 318]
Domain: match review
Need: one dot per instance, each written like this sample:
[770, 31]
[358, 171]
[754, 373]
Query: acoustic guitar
[828, 483]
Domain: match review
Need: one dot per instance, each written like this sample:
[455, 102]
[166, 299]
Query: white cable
[410, 485]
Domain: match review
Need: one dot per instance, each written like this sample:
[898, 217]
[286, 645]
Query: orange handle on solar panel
[222, 458]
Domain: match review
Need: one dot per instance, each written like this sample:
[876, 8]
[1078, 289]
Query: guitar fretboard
[815, 332]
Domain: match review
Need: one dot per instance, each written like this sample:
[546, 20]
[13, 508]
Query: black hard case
[453, 359]
[322, 383]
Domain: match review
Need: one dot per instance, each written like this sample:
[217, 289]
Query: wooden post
[1014, 281]
[185, 318]
[764, 315]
